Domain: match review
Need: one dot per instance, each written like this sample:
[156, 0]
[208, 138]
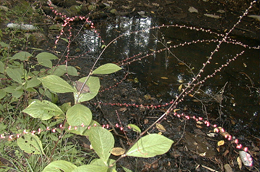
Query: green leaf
[33, 82]
[94, 84]
[56, 84]
[100, 162]
[17, 93]
[57, 166]
[91, 168]
[30, 143]
[15, 74]
[46, 55]
[79, 114]
[72, 71]
[126, 169]
[134, 127]
[2, 67]
[150, 146]
[45, 58]
[43, 110]
[23, 56]
[62, 69]
[107, 69]
[102, 142]
[2, 93]
[92, 124]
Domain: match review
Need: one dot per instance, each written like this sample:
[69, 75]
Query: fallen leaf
[117, 151]
[193, 10]
[227, 168]
[221, 142]
[163, 77]
[160, 127]
[212, 16]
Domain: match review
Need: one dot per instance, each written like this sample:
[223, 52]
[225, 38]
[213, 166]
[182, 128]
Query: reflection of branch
[180, 61]
[252, 83]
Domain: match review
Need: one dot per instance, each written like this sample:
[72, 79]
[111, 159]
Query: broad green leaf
[150, 146]
[100, 162]
[57, 166]
[2, 44]
[134, 127]
[126, 169]
[10, 89]
[92, 124]
[46, 55]
[62, 69]
[30, 143]
[94, 84]
[33, 82]
[17, 93]
[72, 71]
[65, 106]
[15, 74]
[45, 62]
[56, 84]
[2, 93]
[23, 56]
[107, 69]
[43, 110]
[91, 168]
[45, 58]
[79, 114]
[102, 142]
[2, 67]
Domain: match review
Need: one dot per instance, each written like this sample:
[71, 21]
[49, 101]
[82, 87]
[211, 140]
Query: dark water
[232, 93]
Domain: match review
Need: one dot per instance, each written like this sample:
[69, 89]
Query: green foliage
[150, 146]
[43, 109]
[30, 144]
[56, 84]
[57, 166]
[101, 139]
[102, 142]
[79, 114]
[106, 69]
[94, 85]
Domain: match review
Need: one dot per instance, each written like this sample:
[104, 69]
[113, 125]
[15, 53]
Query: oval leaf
[45, 58]
[56, 166]
[30, 144]
[43, 110]
[62, 69]
[107, 69]
[2, 93]
[90, 168]
[2, 67]
[33, 82]
[56, 84]
[150, 146]
[102, 142]
[79, 114]
[15, 74]
[93, 84]
[23, 56]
